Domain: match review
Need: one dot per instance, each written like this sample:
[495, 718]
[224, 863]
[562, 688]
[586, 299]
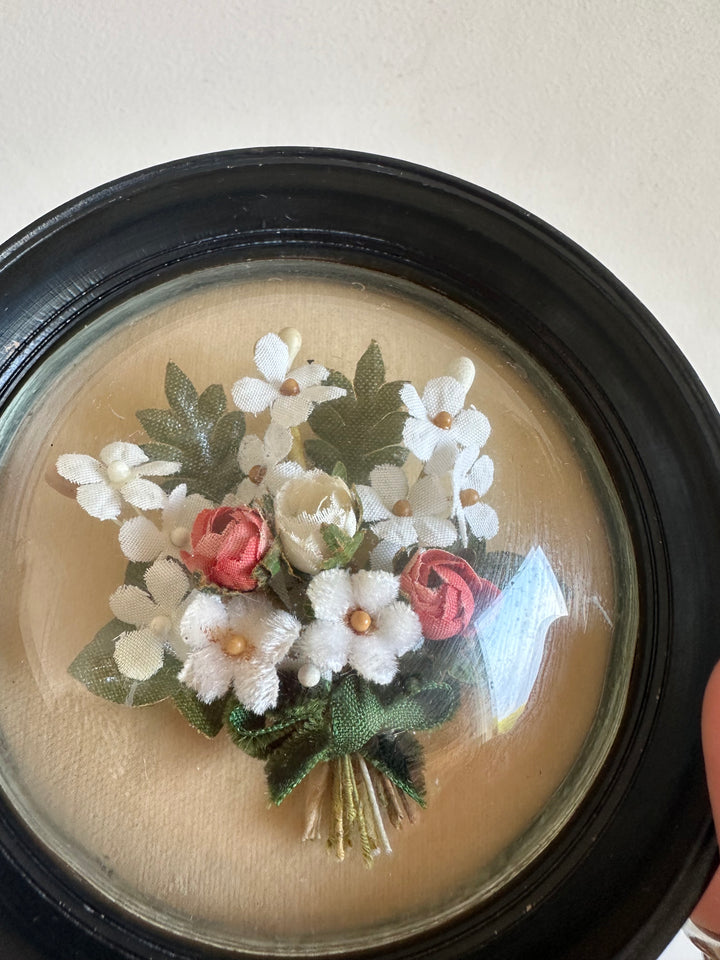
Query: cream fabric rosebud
[302, 505]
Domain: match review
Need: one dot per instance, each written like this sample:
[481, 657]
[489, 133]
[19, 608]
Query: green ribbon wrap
[351, 716]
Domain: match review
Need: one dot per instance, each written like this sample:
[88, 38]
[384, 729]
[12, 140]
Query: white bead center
[180, 537]
[160, 625]
[309, 675]
[119, 471]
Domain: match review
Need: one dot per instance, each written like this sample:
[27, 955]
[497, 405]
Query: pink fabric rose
[445, 592]
[227, 544]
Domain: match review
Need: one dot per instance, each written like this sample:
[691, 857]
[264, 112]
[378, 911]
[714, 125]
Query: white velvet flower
[265, 465]
[290, 394]
[302, 506]
[407, 515]
[118, 475]
[236, 644]
[439, 419]
[471, 480]
[141, 540]
[139, 654]
[360, 622]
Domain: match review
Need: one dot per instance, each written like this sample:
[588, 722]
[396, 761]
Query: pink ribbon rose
[444, 591]
[227, 545]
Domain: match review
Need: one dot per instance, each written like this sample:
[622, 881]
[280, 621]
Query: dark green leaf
[163, 451]
[363, 429]
[369, 373]
[339, 470]
[225, 438]
[212, 403]
[207, 718]
[181, 394]
[164, 426]
[400, 759]
[499, 566]
[95, 667]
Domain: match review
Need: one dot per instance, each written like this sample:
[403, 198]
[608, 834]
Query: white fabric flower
[103, 484]
[302, 506]
[439, 419]
[265, 465]
[407, 515]
[141, 540]
[471, 480]
[290, 394]
[359, 621]
[236, 644]
[139, 653]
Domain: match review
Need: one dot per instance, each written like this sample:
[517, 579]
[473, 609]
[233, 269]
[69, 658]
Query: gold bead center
[469, 497]
[443, 420]
[360, 621]
[290, 388]
[257, 474]
[402, 508]
[235, 644]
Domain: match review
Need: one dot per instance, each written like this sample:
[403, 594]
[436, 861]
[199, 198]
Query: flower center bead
[443, 420]
[290, 388]
[257, 474]
[309, 675]
[119, 471]
[469, 497]
[160, 625]
[235, 644]
[402, 508]
[180, 537]
[360, 621]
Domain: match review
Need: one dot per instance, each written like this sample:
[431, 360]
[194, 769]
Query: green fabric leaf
[363, 429]
[95, 667]
[322, 725]
[207, 718]
[499, 566]
[199, 433]
[400, 759]
[182, 395]
[343, 547]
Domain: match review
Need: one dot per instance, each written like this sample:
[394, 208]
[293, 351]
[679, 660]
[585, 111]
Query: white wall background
[601, 116]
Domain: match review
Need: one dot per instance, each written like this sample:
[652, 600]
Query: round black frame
[624, 873]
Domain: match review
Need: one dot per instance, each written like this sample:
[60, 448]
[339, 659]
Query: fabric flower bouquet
[324, 591]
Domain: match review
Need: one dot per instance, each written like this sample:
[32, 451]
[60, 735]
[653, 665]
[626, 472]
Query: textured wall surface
[600, 117]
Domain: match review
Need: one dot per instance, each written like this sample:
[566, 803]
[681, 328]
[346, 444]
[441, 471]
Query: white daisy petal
[411, 399]
[140, 540]
[272, 358]
[280, 630]
[251, 453]
[331, 594]
[205, 615]
[291, 411]
[470, 428]
[435, 532]
[310, 375]
[399, 530]
[144, 494]
[390, 483]
[129, 453]
[132, 605]
[381, 556]
[373, 590]
[182, 510]
[325, 644]
[480, 477]
[443, 458]
[421, 437]
[138, 654]
[256, 685]
[443, 394]
[245, 493]
[278, 442]
[373, 508]
[277, 475]
[208, 672]
[167, 582]
[252, 395]
[482, 519]
[99, 500]
[79, 468]
[373, 661]
[428, 498]
[398, 626]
